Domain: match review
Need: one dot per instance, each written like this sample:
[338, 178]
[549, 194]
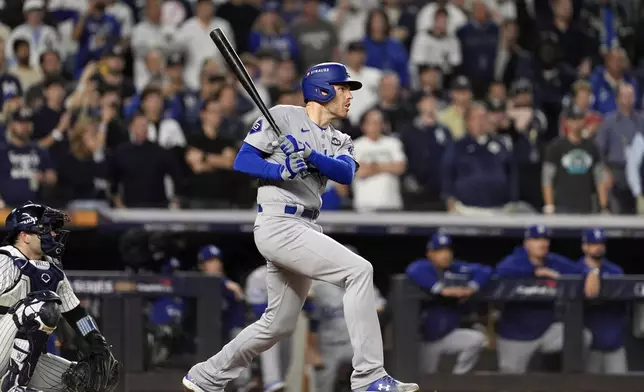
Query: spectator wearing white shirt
[456, 17]
[39, 36]
[194, 38]
[123, 13]
[437, 46]
[349, 18]
[382, 161]
[367, 96]
[147, 35]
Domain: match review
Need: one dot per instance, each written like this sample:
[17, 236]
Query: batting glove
[294, 166]
[290, 145]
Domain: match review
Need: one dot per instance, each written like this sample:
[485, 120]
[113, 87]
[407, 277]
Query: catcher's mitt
[97, 372]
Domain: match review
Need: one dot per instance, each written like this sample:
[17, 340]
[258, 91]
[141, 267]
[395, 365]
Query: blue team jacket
[170, 310]
[439, 318]
[529, 320]
[606, 320]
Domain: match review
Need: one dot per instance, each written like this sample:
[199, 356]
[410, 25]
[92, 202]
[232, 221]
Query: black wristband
[81, 321]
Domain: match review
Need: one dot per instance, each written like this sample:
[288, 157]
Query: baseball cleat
[275, 387]
[390, 384]
[190, 386]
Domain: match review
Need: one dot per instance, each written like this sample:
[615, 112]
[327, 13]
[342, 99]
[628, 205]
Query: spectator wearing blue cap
[26, 170]
[529, 327]
[606, 320]
[452, 282]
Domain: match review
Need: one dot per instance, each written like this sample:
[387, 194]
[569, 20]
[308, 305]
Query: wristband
[549, 209]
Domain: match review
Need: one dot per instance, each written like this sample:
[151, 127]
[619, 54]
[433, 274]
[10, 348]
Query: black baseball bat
[236, 65]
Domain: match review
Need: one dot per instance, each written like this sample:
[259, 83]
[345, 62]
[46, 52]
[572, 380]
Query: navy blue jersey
[606, 320]
[529, 320]
[439, 318]
[19, 167]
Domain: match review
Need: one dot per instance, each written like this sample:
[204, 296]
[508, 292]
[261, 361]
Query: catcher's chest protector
[35, 275]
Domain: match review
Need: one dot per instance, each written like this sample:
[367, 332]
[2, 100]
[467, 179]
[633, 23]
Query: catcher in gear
[34, 294]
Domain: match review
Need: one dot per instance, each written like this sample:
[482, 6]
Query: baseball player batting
[34, 294]
[293, 170]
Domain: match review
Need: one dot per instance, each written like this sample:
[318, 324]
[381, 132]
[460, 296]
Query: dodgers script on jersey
[293, 120]
[19, 276]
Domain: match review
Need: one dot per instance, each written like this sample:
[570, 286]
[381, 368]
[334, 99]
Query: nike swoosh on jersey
[305, 130]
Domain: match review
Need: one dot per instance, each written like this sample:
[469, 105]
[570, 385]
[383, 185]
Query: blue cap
[537, 231]
[439, 241]
[593, 236]
[208, 252]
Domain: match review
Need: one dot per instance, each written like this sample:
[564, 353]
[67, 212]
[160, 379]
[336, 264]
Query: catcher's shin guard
[36, 317]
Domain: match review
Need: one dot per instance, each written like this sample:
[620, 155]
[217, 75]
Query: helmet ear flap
[325, 94]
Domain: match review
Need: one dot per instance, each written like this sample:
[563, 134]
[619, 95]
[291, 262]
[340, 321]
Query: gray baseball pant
[297, 251]
[465, 343]
[612, 362]
[514, 355]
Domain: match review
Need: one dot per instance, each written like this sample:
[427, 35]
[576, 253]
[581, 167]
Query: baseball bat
[234, 62]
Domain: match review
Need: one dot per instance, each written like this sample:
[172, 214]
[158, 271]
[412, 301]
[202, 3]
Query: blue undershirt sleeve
[250, 160]
[340, 169]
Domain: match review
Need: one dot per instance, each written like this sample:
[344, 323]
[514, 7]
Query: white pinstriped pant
[49, 370]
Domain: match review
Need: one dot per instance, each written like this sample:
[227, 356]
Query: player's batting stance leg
[293, 169]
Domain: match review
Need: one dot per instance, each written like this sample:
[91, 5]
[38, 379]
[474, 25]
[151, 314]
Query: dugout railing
[566, 293]
[122, 303]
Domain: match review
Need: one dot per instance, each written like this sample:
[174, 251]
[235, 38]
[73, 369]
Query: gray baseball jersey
[16, 281]
[293, 120]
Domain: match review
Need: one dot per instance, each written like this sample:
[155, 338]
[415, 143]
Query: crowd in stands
[468, 106]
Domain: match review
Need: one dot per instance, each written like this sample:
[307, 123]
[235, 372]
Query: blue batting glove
[294, 166]
[290, 145]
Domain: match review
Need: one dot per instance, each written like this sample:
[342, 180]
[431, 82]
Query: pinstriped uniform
[15, 284]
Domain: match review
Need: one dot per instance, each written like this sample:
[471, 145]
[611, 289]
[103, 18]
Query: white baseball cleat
[275, 387]
[190, 386]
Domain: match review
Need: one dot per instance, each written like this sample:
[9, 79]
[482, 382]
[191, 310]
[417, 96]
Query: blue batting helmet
[318, 81]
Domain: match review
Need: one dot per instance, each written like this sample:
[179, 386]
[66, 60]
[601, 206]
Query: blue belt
[292, 210]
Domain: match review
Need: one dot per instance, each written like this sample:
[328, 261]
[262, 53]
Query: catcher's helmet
[41, 220]
[318, 81]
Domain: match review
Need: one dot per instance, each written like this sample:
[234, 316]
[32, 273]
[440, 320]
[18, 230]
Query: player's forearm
[592, 284]
[81, 321]
[341, 169]
[602, 190]
[250, 161]
[548, 195]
